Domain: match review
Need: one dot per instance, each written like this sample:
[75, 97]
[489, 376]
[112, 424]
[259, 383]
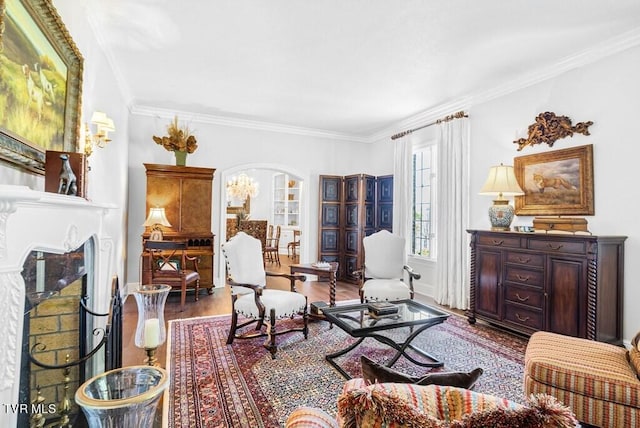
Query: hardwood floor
[219, 303]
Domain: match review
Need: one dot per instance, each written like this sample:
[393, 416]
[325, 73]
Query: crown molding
[210, 119]
[595, 53]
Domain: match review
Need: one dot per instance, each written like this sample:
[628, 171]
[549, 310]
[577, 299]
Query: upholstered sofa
[392, 405]
[597, 381]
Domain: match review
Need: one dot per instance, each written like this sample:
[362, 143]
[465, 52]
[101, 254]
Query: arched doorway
[291, 215]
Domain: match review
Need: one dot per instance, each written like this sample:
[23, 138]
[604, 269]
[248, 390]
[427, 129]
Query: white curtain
[402, 187]
[452, 272]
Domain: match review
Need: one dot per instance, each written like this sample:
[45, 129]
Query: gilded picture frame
[559, 182]
[41, 83]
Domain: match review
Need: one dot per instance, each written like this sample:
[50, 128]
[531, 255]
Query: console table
[563, 283]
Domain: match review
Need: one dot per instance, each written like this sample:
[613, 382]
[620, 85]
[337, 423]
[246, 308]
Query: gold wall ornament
[550, 127]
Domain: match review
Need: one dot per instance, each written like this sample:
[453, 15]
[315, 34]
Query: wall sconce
[100, 138]
[157, 218]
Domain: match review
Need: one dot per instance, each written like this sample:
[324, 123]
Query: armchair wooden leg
[234, 321]
[305, 319]
[260, 322]
[270, 343]
[197, 289]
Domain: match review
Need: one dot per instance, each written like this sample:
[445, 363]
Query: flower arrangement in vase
[180, 141]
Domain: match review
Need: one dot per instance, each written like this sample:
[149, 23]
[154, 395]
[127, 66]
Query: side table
[321, 273]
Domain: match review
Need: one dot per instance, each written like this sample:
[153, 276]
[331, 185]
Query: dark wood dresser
[563, 283]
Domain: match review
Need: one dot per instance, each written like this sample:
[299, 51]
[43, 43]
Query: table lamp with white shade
[157, 218]
[501, 182]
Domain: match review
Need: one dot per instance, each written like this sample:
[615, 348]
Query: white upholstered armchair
[253, 301]
[382, 276]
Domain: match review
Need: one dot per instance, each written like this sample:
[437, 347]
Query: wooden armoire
[186, 194]
[352, 207]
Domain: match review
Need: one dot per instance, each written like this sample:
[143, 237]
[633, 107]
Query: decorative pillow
[373, 372]
[377, 373]
[307, 417]
[543, 411]
[375, 406]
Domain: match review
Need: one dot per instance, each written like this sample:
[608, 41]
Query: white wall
[227, 150]
[606, 92]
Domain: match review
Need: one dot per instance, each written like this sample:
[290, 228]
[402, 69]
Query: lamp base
[501, 215]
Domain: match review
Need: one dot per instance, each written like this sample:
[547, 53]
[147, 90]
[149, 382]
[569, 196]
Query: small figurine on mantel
[68, 184]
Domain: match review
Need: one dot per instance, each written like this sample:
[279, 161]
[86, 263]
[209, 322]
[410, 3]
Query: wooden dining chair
[272, 250]
[169, 263]
[293, 245]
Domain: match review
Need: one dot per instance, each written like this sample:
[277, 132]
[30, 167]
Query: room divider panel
[351, 207]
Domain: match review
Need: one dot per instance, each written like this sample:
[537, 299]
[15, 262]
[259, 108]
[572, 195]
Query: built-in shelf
[286, 200]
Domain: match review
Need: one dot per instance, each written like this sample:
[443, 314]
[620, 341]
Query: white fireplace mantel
[32, 220]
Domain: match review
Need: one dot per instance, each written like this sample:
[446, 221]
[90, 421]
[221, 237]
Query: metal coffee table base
[399, 347]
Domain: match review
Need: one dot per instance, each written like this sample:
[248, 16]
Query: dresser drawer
[558, 246]
[534, 278]
[527, 259]
[529, 318]
[499, 241]
[524, 295]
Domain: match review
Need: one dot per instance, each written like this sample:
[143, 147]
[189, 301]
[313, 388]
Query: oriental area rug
[216, 385]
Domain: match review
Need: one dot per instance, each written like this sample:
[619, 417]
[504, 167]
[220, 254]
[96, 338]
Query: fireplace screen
[64, 342]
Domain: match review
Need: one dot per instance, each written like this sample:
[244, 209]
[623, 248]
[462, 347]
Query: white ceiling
[352, 68]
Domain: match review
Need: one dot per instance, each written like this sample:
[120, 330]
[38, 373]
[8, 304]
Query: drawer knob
[523, 278]
[522, 319]
[554, 247]
[524, 259]
[522, 299]
[498, 242]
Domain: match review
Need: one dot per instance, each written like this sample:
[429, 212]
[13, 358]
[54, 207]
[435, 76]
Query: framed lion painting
[559, 182]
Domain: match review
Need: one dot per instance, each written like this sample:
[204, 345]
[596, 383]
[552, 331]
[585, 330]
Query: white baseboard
[424, 289]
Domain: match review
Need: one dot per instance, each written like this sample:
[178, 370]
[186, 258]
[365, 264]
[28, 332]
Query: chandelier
[241, 187]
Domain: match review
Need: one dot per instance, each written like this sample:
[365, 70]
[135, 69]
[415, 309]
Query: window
[424, 200]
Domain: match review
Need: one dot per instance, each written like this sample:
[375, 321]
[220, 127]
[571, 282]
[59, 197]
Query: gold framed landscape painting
[559, 182]
[40, 84]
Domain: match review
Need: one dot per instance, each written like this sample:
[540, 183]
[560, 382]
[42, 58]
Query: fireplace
[69, 232]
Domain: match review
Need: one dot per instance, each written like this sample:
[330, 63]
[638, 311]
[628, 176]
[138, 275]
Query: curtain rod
[457, 115]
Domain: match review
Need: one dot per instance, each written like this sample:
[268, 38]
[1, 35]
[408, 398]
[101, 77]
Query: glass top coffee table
[359, 323]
